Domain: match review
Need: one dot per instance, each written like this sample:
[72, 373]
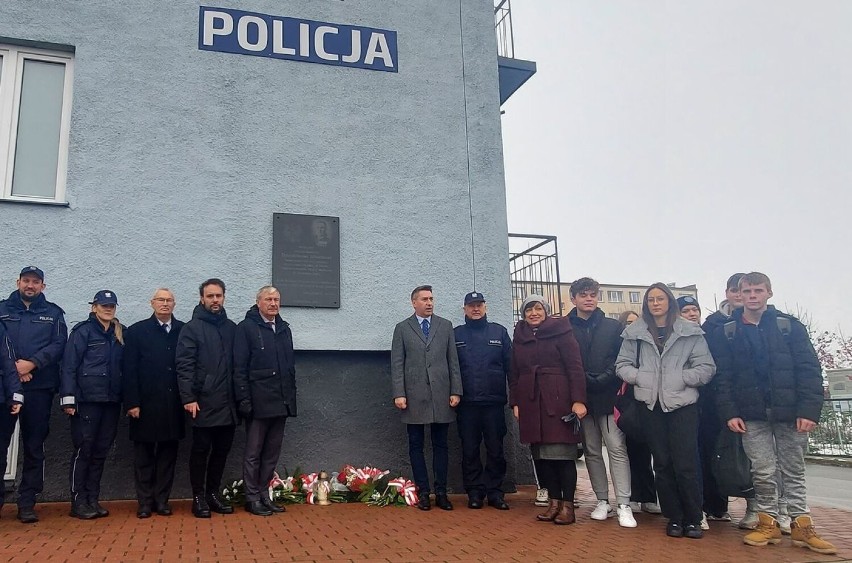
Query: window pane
[39, 120]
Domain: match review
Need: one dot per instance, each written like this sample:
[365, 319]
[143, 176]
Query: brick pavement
[361, 533]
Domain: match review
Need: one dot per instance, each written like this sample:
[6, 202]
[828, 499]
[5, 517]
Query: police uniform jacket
[91, 366]
[205, 367]
[38, 334]
[484, 350]
[150, 381]
[264, 366]
[11, 383]
[425, 370]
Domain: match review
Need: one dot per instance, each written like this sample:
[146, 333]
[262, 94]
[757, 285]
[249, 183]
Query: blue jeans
[440, 456]
[776, 450]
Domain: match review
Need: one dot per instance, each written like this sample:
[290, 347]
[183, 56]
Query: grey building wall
[344, 417]
[180, 157]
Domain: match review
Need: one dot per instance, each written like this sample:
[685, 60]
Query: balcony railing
[833, 436]
[503, 26]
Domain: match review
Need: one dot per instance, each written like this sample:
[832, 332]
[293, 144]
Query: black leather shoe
[164, 509]
[674, 529]
[219, 505]
[423, 502]
[256, 507]
[474, 502]
[200, 509]
[267, 502]
[499, 503]
[100, 510]
[693, 531]
[442, 502]
[83, 512]
[27, 515]
[143, 511]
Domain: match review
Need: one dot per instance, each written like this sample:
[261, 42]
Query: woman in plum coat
[547, 392]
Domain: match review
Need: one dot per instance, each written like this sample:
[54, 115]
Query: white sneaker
[704, 524]
[625, 516]
[542, 498]
[651, 508]
[602, 511]
[725, 517]
[749, 521]
[784, 523]
[635, 507]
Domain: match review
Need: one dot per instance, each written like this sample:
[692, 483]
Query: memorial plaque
[306, 260]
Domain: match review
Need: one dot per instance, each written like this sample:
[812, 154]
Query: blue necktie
[425, 326]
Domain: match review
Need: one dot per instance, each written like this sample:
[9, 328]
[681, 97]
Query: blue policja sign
[262, 35]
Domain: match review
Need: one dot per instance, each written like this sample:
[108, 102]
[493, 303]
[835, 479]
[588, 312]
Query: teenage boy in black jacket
[599, 338]
[769, 389]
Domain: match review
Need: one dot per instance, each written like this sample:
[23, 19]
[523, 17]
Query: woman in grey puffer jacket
[673, 361]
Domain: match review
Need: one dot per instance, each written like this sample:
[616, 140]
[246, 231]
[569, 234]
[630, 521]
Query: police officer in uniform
[90, 389]
[37, 331]
[484, 351]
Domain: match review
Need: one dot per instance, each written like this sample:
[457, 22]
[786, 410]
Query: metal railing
[534, 269]
[503, 26]
[833, 436]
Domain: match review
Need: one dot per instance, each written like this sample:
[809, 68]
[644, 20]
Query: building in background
[148, 145]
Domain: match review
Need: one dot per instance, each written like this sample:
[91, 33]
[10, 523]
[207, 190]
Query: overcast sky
[686, 140]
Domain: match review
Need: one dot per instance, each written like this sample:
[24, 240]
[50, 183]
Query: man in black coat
[769, 389]
[265, 390]
[153, 403]
[485, 352]
[205, 366]
[599, 338]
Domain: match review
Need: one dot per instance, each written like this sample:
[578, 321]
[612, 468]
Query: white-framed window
[635, 297]
[614, 315]
[600, 295]
[35, 117]
[615, 296]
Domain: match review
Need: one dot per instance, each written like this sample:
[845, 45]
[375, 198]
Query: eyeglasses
[163, 300]
[657, 299]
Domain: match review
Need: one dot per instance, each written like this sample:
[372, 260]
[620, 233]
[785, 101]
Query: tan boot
[767, 531]
[566, 514]
[803, 535]
[551, 512]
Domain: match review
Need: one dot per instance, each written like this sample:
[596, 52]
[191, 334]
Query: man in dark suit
[153, 403]
[426, 388]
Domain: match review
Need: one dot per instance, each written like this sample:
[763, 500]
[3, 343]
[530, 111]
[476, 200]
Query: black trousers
[642, 487]
[440, 456]
[673, 439]
[93, 429]
[558, 476]
[35, 426]
[207, 457]
[154, 469]
[263, 446]
[709, 428]
[7, 428]
[478, 424]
